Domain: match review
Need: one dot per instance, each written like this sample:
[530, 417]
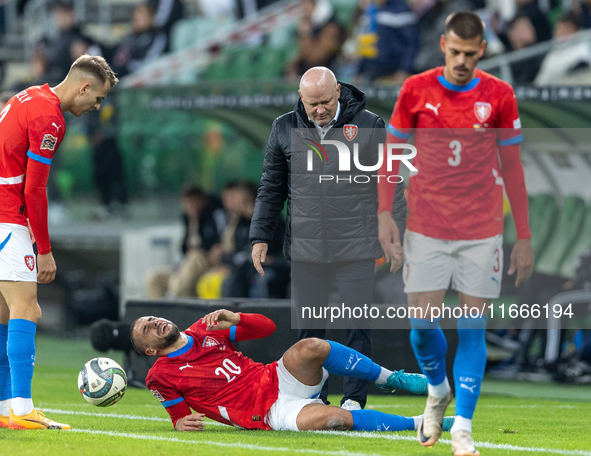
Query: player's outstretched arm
[239, 326]
[221, 319]
[192, 422]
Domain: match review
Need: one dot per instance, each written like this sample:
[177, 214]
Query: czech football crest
[30, 262]
[482, 111]
[210, 342]
[350, 132]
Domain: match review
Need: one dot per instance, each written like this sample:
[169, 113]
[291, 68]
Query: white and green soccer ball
[102, 382]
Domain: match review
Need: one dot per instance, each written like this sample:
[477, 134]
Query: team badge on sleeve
[517, 124]
[30, 262]
[157, 395]
[350, 132]
[482, 111]
[49, 142]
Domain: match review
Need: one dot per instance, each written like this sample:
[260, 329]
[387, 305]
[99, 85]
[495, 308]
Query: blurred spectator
[37, 72]
[538, 19]
[521, 34]
[204, 221]
[57, 51]
[565, 59]
[145, 43]
[220, 9]
[166, 14]
[109, 177]
[583, 8]
[238, 199]
[389, 41]
[431, 23]
[246, 8]
[320, 37]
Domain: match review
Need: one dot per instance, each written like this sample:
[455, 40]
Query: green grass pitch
[512, 419]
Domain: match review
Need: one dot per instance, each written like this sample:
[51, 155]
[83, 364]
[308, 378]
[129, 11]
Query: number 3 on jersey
[230, 368]
[456, 150]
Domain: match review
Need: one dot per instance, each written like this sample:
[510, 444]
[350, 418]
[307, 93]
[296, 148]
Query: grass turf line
[529, 425]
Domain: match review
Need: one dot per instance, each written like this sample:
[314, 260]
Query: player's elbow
[270, 328]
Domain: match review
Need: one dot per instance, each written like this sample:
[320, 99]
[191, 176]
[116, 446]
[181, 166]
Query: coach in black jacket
[332, 223]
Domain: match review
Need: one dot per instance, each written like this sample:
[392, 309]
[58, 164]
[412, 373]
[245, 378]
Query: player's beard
[172, 336]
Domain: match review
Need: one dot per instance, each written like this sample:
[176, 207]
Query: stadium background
[201, 113]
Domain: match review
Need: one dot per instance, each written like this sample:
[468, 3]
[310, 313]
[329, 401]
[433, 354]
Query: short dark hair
[97, 67]
[572, 18]
[466, 24]
[133, 344]
[193, 191]
[249, 189]
[63, 5]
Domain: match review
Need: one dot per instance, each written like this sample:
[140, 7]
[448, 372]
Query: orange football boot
[34, 420]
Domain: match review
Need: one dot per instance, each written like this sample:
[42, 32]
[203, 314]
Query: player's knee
[336, 422]
[313, 347]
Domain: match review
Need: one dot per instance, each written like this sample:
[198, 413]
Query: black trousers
[311, 284]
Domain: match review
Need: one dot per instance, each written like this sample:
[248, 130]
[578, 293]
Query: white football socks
[418, 420]
[439, 391]
[22, 406]
[383, 377]
[461, 424]
[5, 407]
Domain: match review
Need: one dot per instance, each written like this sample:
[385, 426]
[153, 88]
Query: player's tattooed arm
[192, 422]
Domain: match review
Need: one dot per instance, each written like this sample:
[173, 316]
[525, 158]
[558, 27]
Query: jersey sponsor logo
[256, 417]
[435, 108]
[157, 395]
[48, 142]
[30, 262]
[184, 367]
[350, 132]
[482, 111]
[517, 124]
[209, 342]
[56, 126]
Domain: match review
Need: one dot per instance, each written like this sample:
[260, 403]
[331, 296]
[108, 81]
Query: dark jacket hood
[352, 101]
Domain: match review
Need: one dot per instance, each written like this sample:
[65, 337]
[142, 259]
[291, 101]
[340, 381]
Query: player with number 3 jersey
[32, 127]
[467, 133]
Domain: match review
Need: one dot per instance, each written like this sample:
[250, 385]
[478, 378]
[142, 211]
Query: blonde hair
[97, 67]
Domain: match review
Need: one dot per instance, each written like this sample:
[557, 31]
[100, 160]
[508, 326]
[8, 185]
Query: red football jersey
[32, 127]
[457, 192]
[210, 376]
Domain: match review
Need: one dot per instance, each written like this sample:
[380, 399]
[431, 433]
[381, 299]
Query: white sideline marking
[354, 434]
[496, 446]
[380, 406]
[245, 446]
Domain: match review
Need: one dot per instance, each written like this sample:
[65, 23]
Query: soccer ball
[102, 382]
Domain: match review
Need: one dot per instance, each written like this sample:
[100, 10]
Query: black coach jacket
[327, 221]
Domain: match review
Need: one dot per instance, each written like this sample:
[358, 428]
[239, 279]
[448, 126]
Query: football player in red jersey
[467, 134]
[200, 369]
[31, 129]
